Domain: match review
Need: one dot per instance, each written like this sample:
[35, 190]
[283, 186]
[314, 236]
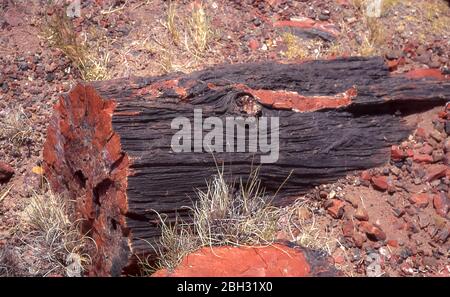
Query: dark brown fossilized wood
[109, 143]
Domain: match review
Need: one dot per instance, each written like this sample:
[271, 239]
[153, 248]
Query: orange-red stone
[226, 261]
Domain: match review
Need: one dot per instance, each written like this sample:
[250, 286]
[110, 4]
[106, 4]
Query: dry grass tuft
[15, 126]
[199, 31]
[310, 233]
[186, 39]
[388, 4]
[366, 49]
[165, 55]
[375, 40]
[47, 213]
[335, 49]
[298, 48]
[359, 4]
[171, 25]
[54, 235]
[294, 49]
[90, 59]
[376, 31]
[437, 14]
[177, 240]
[223, 215]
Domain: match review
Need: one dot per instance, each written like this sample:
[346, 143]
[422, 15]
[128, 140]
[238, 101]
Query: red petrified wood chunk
[336, 208]
[392, 243]
[426, 149]
[426, 73]
[366, 176]
[271, 261]
[348, 228]
[420, 200]
[361, 214]
[436, 171]
[441, 203]
[324, 30]
[397, 154]
[422, 158]
[253, 44]
[6, 172]
[420, 133]
[380, 183]
[373, 232]
[358, 239]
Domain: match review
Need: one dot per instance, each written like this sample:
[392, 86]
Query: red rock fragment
[397, 154]
[426, 149]
[358, 239]
[421, 158]
[338, 257]
[271, 261]
[348, 228]
[420, 133]
[425, 73]
[365, 175]
[6, 172]
[392, 65]
[253, 44]
[308, 24]
[443, 114]
[436, 171]
[373, 232]
[392, 243]
[380, 183]
[361, 214]
[336, 209]
[410, 48]
[410, 153]
[441, 204]
[420, 200]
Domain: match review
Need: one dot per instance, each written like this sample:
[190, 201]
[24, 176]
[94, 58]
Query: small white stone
[332, 194]
[385, 252]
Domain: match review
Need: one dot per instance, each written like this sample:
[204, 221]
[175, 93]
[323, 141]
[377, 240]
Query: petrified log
[109, 143]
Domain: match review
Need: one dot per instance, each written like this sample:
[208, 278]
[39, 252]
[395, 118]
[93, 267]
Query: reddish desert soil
[387, 221]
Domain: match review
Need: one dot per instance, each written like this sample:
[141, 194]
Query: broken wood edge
[98, 187]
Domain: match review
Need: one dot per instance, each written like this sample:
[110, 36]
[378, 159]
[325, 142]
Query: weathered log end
[84, 160]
